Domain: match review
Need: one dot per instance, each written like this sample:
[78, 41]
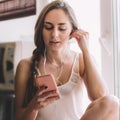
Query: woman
[55, 26]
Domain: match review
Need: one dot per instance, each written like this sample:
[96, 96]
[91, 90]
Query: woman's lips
[54, 42]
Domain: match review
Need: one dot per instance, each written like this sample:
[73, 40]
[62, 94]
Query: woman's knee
[106, 102]
[109, 102]
[110, 105]
[104, 108]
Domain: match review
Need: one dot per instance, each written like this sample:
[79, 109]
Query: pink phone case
[48, 81]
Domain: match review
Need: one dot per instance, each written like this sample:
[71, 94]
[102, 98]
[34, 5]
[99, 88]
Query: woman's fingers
[82, 38]
[44, 97]
[80, 34]
[47, 101]
[46, 94]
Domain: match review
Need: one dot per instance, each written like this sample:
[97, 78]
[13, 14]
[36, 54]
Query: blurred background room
[17, 21]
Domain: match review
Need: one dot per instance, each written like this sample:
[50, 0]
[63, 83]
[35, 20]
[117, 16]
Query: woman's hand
[82, 38]
[43, 98]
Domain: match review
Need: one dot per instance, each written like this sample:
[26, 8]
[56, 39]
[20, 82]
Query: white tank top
[71, 104]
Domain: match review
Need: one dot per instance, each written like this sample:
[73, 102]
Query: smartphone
[49, 82]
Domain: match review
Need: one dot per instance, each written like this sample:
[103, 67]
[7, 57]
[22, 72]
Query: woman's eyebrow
[47, 23]
[52, 24]
[62, 24]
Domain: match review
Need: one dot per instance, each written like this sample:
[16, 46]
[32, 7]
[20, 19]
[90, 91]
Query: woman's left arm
[96, 87]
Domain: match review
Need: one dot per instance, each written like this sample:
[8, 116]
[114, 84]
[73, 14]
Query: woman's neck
[56, 58]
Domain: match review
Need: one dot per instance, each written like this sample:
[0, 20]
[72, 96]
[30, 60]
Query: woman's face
[57, 29]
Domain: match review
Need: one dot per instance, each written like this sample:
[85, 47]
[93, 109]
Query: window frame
[116, 37]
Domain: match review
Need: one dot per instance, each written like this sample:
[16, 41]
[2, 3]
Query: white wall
[106, 40]
[88, 15]
[13, 30]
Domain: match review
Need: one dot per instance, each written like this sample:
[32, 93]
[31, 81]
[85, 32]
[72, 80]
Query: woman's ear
[71, 33]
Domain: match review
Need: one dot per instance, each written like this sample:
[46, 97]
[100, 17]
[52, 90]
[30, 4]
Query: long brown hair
[39, 40]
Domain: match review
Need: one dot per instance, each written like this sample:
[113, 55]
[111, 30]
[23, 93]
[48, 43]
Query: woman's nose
[55, 32]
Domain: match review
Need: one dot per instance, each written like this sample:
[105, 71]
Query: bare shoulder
[24, 62]
[23, 69]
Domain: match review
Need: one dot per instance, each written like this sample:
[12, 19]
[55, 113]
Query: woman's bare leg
[105, 108]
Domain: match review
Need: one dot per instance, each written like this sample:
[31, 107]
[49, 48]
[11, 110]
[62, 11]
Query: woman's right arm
[41, 98]
[21, 77]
